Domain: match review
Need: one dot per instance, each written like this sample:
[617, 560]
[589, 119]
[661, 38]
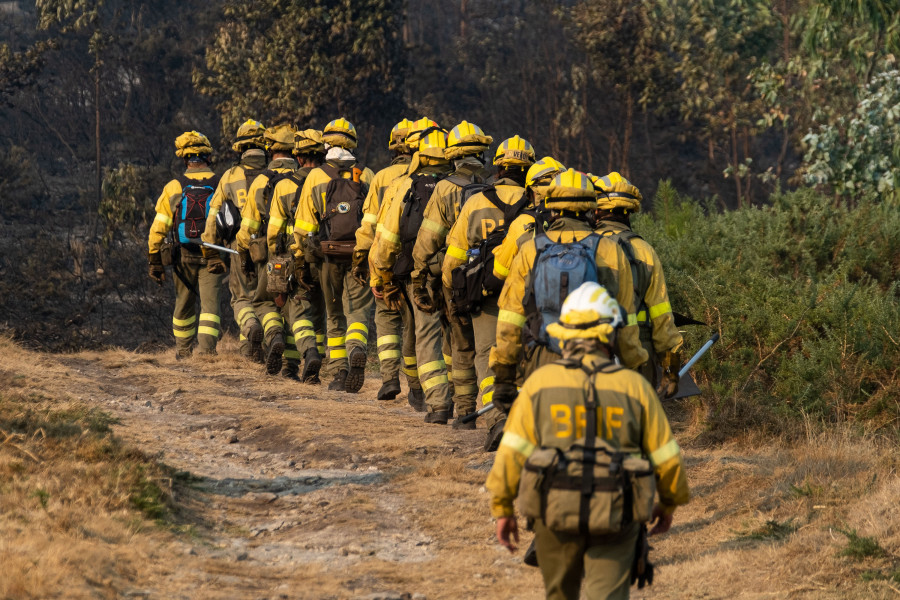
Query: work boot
[416, 399]
[463, 426]
[183, 354]
[530, 557]
[492, 441]
[312, 362]
[255, 337]
[438, 417]
[290, 370]
[389, 389]
[357, 375]
[338, 383]
[273, 354]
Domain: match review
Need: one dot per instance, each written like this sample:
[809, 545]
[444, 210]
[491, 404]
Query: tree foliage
[860, 151]
[306, 63]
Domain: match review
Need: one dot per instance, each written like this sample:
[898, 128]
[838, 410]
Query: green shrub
[805, 294]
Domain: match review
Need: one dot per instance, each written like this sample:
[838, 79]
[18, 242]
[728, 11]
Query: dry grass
[302, 493]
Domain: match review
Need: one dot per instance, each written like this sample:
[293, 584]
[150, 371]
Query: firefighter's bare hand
[662, 521]
[377, 292]
[508, 532]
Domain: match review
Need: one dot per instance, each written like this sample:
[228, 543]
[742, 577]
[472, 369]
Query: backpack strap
[590, 449]
[458, 179]
[510, 211]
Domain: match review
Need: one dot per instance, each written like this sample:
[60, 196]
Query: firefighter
[181, 217]
[466, 147]
[325, 224]
[537, 181]
[233, 185]
[303, 311]
[253, 244]
[396, 344]
[617, 200]
[479, 217]
[392, 263]
[567, 210]
[629, 419]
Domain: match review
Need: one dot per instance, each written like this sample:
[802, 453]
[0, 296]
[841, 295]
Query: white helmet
[588, 312]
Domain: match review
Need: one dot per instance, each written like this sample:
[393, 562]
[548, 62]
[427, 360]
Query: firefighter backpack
[559, 268]
[344, 198]
[192, 208]
[411, 218]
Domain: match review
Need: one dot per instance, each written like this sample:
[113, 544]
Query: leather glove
[359, 269]
[422, 299]
[302, 274]
[214, 262]
[668, 382]
[247, 264]
[504, 396]
[157, 271]
[393, 297]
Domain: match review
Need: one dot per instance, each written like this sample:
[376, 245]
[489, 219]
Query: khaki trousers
[604, 562]
[485, 329]
[185, 323]
[430, 355]
[265, 308]
[241, 300]
[396, 343]
[347, 304]
[462, 344]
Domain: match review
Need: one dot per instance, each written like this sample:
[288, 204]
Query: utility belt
[172, 253]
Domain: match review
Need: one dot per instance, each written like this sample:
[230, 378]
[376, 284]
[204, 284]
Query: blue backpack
[559, 268]
[192, 209]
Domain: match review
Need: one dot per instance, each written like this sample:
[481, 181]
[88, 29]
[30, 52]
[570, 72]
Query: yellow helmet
[587, 313]
[341, 133]
[543, 171]
[249, 135]
[432, 142]
[416, 129]
[514, 152]
[192, 143]
[571, 190]
[614, 191]
[280, 138]
[397, 139]
[466, 139]
[309, 141]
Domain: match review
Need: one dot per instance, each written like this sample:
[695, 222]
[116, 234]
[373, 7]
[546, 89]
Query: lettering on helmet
[519, 154]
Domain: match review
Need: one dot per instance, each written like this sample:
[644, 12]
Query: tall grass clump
[805, 293]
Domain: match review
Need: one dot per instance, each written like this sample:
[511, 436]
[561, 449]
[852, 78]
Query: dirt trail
[297, 492]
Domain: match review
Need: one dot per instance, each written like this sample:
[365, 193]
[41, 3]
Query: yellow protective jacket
[165, 207]
[549, 412]
[233, 185]
[614, 273]
[281, 211]
[441, 214]
[654, 313]
[365, 235]
[388, 245]
[312, 202]
[255, 209]
[478, 218]
[520, 231]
